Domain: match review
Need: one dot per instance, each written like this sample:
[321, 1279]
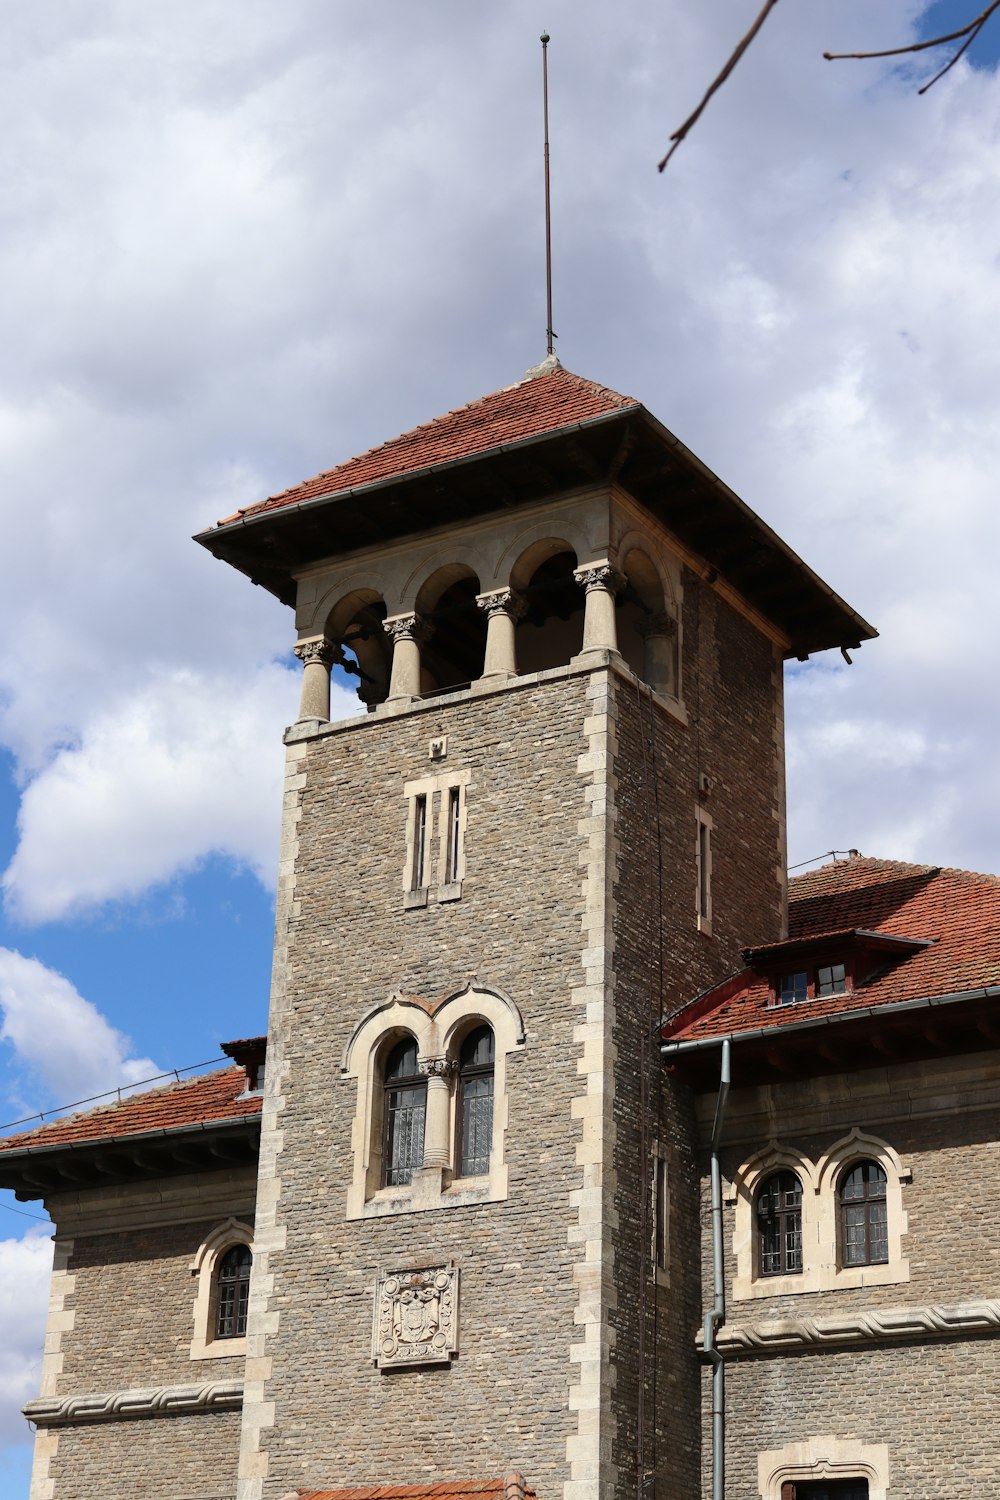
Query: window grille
[475, 1103]
[779, 1224]
[233, 1293]
[864, 1225]
[405, 1103]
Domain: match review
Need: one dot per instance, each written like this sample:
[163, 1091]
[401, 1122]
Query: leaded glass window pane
[233, 1293]
[405, 1108]
[864, 1229]
[475, 1103]
[779, 1225]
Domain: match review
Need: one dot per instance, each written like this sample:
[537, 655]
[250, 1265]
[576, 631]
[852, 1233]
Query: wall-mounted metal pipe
[715, 1316]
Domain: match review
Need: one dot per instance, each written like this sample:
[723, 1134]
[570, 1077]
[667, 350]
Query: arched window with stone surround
[404, 1109]
[550, 629]
[232, 1292]
[474, 1105]
[779, 1225]
[863, 1215]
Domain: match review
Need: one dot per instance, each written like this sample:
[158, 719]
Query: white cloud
[188, 767]
[60, 1039]
[25, 1267]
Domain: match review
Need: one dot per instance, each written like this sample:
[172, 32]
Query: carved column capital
[660, 623]
[319, 650]
[600, 576]
[503, 602]
[438, 1067]
[411, 627]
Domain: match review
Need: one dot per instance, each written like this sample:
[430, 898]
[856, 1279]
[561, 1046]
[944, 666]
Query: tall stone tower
[561, 815]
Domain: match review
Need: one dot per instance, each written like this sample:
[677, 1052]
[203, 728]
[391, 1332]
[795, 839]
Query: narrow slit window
[454, 827]
[703, 892]
[419, 842]
[660, 1213]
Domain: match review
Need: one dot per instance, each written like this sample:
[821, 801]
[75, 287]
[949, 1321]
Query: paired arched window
[863, 1215]
[779, 1225]
[232, 1294]
[474, 1114]
[404, 1110]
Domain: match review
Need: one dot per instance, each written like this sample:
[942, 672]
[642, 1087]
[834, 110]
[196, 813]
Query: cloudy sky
[242, 241]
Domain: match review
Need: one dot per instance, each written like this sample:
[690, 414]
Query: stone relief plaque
[416, 1317]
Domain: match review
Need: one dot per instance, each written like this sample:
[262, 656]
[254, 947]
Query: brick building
[442, 1230]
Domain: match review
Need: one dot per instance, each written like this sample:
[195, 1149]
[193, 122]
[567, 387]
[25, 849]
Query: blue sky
[242, 242]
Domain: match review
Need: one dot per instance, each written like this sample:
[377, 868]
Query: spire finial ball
[544, 38]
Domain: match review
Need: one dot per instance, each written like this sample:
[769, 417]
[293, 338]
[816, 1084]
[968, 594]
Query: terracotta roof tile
[959, 912]
[196, 1101]
[457, 1489]
[538, 404]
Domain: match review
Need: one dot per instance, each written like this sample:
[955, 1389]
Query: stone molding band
[153, 1401]
[776, 1336]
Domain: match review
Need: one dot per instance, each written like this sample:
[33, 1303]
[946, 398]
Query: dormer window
[800, 985]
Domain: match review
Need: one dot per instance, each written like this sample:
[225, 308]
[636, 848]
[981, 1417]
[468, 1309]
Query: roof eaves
[865, 630]
[255, 514]
[815, 1023]
[128, 1137]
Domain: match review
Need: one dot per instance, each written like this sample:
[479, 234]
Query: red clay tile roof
[957, 910]
[203, 1100]
[513, 1487]
[533, 406]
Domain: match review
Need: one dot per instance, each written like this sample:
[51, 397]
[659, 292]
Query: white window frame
[439, 1031]
[821, 1268]
[442, 874]
[205, 1265]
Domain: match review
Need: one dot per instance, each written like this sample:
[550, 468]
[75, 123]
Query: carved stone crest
[416, 1317]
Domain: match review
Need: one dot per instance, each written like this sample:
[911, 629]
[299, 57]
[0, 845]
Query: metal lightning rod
[550, 347]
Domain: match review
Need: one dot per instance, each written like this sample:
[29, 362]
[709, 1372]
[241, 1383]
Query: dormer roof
[548, 433]
[929, 939]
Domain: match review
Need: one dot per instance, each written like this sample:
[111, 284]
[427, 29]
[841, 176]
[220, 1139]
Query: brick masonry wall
[132, 1300]
[184, 1457]
[505, 1400]
[928, 1402]
[732, 695]
[935, 1407]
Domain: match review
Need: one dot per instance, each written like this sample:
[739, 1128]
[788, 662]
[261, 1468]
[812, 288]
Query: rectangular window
[794, 988]
[419, 843]
[831, 980]
[661, 1211]
[453, 833]
[703, 890]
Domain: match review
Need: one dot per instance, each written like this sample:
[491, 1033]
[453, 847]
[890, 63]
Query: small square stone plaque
[416, 1317]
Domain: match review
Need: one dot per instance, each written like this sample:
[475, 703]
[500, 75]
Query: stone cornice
[781, 1335]
[152, 1401]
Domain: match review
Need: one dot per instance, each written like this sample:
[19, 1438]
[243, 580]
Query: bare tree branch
[969, 32]
[737, 53]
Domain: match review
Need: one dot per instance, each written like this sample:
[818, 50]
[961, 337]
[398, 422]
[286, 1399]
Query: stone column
[503, 608]
[601, 582]
[407, 632]
[660, 663]
[437, 1120]
[317, 656]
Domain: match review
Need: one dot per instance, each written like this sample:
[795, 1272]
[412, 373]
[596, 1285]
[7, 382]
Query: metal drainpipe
[716, 1314]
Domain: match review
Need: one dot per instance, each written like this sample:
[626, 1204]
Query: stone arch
[204, 1344]
[354, 624]
[743, 1191]
[454, 652]
[648, 620]
[551, 631]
